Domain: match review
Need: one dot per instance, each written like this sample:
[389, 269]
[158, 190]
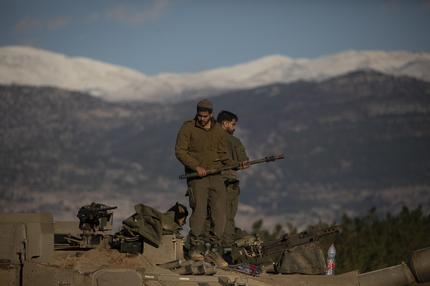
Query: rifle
[253, 250]
[235, 166]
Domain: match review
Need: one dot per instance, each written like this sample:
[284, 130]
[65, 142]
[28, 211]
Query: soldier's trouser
[232, 202]
[207, 193]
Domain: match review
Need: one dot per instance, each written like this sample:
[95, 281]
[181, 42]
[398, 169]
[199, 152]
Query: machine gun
[251, 249]
[95, 221]
[234, 167]
[95, 217]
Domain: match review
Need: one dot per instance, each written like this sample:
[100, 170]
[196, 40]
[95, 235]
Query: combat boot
[196, 255]
[196, 251]
[216, 258]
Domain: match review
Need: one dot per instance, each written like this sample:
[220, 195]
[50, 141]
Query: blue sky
[158, 36]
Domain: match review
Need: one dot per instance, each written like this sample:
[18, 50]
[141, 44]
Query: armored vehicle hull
[28, 257]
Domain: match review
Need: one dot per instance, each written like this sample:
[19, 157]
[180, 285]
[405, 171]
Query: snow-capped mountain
[30, 66]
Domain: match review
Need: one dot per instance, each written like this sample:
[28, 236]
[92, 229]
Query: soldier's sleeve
[241, 151]
[182, 146]
[222, 150]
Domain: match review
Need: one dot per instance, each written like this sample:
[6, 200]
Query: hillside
[352, 142]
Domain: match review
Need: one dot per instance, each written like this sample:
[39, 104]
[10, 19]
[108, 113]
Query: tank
[36, 250]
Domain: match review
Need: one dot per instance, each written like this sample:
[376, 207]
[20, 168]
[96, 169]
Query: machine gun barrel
[290, 241]
[106, 208]
[266, 159]
[251, 249]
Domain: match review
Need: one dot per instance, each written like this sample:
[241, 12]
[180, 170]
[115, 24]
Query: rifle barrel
[224, 168]
[266, 159]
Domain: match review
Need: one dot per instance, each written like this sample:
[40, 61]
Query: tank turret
[29, 256]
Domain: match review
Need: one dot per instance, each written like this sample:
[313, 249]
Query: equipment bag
[303, 259]
[146, 222]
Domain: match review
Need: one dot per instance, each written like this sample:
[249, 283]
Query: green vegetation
[371, 242]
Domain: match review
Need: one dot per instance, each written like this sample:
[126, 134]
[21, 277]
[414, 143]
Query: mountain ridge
[31, 66]
[351, 142]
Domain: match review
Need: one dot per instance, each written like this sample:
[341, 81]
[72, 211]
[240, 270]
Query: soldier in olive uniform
[200, 146]
[237, 153]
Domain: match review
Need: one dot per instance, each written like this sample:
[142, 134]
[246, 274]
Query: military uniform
[197, 146]
[236, 152]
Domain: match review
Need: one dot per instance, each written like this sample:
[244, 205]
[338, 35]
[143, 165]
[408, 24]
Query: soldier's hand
[201, 171]
[244, 165]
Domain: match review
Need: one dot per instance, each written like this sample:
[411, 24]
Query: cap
[205, 103]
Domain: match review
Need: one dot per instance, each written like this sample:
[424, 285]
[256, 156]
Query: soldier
[236, 152]
[201, 145]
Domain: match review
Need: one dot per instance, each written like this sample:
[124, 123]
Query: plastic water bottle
[331, 260]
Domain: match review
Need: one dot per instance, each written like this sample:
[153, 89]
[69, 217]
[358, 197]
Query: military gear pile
[146, 222]
[296, 253]
[148, 225]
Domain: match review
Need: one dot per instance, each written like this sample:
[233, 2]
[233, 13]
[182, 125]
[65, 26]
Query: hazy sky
[157, 36]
